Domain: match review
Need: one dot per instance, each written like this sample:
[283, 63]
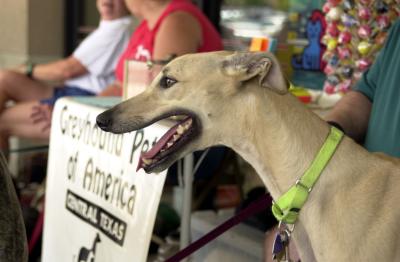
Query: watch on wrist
[29, 70]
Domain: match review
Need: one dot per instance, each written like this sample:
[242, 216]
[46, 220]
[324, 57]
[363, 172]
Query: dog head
[209, 91]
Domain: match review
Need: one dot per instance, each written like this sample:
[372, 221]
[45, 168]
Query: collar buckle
[300, 184]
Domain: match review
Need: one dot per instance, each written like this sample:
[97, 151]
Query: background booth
[98, 206]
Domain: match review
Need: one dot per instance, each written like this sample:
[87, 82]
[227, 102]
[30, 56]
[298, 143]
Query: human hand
[41, 114]
[112, 90]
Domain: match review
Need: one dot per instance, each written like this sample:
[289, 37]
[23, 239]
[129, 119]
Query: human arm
[352, 114]
[353, 111]
[42, 113]
[115, 89]
[179, 34]
[60, 70]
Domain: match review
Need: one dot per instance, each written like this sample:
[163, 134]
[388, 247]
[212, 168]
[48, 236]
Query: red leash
[254, 208]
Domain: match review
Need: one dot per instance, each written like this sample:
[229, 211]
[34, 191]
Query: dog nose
[104, 121]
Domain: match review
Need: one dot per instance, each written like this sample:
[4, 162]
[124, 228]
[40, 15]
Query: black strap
[29, 70]
[254, 208]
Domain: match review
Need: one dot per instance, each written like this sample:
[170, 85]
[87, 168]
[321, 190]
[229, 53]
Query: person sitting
[86, 72]
[168, 27]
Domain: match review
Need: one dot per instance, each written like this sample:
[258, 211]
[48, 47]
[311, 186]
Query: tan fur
[352, 213]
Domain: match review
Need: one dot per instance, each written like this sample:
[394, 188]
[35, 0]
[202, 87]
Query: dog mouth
[168, 147]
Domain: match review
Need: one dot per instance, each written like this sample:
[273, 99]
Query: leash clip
[289, 228]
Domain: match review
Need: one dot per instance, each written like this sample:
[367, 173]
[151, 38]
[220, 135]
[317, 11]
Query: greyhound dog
[241, 100]
[13, 244]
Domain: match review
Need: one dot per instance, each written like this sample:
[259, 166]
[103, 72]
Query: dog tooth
[189, 122]
[176, 137]
[180, 129]
[147, 161]
[169, 144]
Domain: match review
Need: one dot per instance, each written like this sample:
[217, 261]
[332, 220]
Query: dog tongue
[157, 147]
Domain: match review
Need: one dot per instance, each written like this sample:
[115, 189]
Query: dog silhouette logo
[89, 255]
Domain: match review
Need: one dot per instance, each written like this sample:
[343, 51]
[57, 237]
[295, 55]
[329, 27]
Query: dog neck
[279, 155]
[280, 138]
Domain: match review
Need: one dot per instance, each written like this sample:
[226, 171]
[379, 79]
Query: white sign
[137, 76]
[97, 206]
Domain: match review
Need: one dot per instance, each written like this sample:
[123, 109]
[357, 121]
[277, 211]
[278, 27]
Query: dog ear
[247, 65]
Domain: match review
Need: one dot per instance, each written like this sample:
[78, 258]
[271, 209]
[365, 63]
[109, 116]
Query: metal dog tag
[278, 245]
[280, 249]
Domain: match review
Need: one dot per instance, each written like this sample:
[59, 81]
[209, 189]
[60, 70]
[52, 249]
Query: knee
[5, 76]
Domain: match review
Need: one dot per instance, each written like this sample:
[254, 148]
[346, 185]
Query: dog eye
[167, 82]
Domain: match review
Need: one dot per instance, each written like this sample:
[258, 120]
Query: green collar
[286, 209]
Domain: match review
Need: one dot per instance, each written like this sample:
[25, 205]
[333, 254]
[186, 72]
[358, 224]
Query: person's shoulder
[180, 17]
[111, 30]
[179, 33]
[396, 23]
[396, 28]
[106, 37]
[116, 24]
[180, 22]
[125, 21]
[393, 37]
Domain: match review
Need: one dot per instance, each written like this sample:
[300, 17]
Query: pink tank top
[141, 44]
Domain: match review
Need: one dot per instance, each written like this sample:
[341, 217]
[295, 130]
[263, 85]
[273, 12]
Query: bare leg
[18, 87]
[112, 90]
[17, 121]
